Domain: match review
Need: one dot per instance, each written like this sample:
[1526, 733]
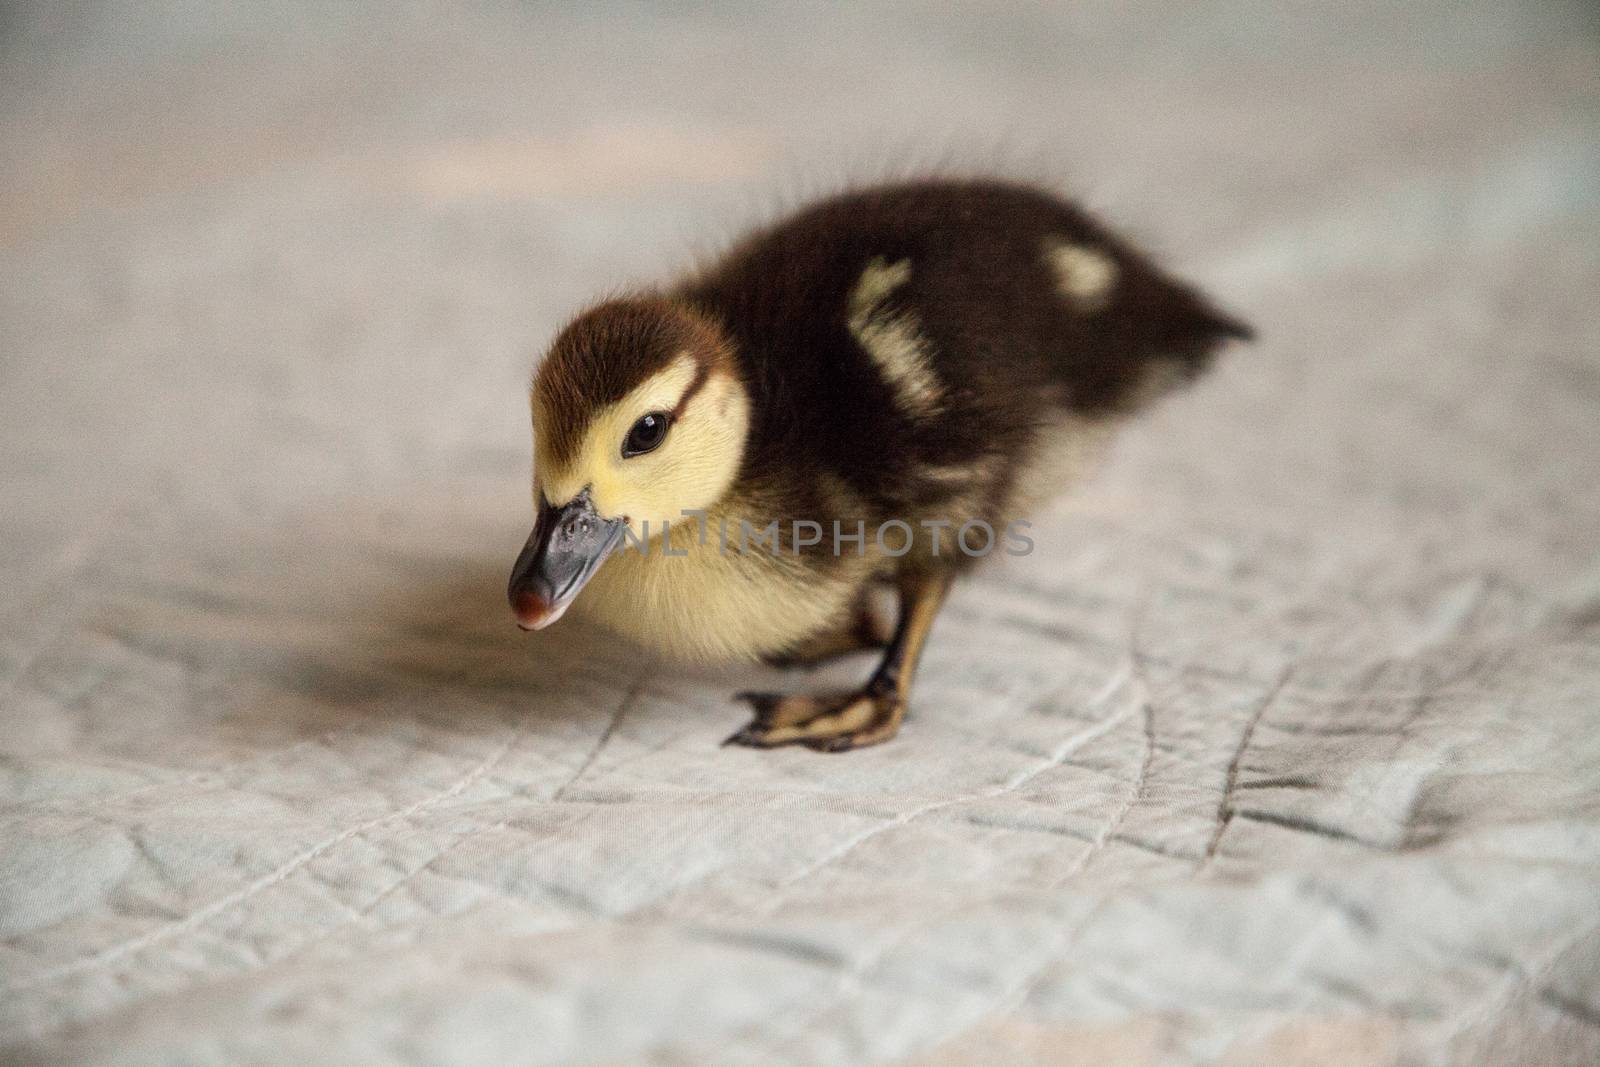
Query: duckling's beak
[567, 546]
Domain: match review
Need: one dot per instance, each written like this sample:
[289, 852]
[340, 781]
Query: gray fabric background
[1282, 748]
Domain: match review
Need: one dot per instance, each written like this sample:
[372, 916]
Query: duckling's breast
[717, 601]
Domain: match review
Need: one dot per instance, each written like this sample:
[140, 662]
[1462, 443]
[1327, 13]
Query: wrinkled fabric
[1281, 747]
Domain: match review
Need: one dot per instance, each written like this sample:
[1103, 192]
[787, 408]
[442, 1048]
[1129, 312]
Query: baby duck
[731, 465]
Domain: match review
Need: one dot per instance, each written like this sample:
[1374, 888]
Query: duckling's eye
[646, 435]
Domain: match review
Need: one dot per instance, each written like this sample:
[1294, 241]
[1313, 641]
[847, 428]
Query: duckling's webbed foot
[830, 722]
[838, 722]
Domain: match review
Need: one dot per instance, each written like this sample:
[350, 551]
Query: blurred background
[204, 200]
[272, 279]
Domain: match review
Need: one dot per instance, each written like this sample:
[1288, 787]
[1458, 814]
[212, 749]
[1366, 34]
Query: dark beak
[567, 546]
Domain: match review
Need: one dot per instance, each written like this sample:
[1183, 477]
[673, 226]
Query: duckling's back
[896, 333]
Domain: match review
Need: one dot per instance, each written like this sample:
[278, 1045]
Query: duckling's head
[639, 414]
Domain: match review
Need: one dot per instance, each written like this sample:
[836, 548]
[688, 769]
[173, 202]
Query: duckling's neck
[707, 590]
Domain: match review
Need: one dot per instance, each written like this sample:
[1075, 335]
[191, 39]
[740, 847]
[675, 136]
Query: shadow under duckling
[863, 394]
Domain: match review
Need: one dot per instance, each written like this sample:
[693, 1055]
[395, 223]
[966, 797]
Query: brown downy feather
[909, 351]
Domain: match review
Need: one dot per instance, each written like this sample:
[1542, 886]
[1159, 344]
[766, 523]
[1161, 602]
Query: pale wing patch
[978, 473]
[892, 340]
[1084, 275]
[949, 475]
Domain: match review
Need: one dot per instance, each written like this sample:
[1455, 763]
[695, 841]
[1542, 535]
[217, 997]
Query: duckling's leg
[838, 722]
[867, 628]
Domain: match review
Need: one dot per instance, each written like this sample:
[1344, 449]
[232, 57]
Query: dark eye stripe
[701, 373]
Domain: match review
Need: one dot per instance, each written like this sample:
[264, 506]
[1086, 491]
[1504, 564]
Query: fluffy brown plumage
[914, 353]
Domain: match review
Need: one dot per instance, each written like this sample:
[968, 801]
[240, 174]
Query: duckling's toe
[835, 722]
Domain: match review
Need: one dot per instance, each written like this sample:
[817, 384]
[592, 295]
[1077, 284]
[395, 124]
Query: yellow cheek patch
[694, 465]
[597, 459]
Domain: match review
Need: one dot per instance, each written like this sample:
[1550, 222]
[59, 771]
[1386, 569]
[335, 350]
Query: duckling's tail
[1193, 327]
[1184, 334]
[1227, 328]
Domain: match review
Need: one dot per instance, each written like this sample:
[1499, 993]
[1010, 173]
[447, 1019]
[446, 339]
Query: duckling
[732, 465]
